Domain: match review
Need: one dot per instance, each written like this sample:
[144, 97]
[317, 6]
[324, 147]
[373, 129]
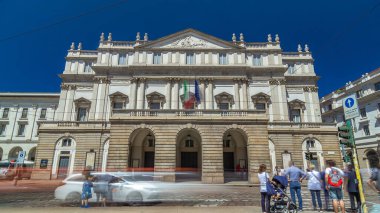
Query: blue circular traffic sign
[349, 102]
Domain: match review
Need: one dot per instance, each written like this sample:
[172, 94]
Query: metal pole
[357, 170]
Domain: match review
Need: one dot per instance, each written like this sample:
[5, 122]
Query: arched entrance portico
[32, 154]
[372, 158]
[235, 160]
[188, 155]
[13, 154]
[64, 157]
[142, 150]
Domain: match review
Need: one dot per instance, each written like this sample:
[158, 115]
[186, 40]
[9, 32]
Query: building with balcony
[19, 117]
[186, 101]
[367, 126]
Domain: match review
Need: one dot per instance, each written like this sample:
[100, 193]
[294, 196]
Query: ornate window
[224, 100]
[155, 100]
[157, 58]
[190, 58]
[122, 59]
[118, 100]
[257, 60]
[43, 113]
[82, 106]
[24, 113]
[296, 107]
[223, 58]
[260, 100]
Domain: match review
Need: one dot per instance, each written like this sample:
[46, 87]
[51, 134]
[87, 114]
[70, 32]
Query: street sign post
[21, 157]
[350, 107]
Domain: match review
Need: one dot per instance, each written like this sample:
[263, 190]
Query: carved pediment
[260, 97]
[297, 104]
[189, 39]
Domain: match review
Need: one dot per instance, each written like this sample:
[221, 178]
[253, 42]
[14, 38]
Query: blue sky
[35, 35]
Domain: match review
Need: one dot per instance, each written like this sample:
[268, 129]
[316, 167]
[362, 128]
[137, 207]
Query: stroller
[280, 202]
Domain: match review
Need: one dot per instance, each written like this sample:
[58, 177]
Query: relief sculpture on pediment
[189, 42]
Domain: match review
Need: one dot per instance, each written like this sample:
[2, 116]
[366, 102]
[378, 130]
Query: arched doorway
[188, 155]
[64, 157]
[1, 153]
[313, 146]
[372, 158]
[32, 154]
[142, 150]
[13, 154]
[235, 156]
[105, 155]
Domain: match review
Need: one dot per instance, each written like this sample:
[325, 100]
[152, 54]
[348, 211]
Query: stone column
[244, 93]
[175, 97]
[94, 101]
[208, 94]
[59, 116]
[70, 108]
[211, 88]
[141, 94]
[283, 99]
[169, 57]
[133, 93]
[168, 93]
[237, 94]
[202, 105]
[102, 98]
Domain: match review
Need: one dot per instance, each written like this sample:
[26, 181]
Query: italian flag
[188, 102]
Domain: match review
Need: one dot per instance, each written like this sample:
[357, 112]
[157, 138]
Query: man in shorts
[334, 184]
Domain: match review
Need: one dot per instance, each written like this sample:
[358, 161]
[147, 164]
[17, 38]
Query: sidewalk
[172, 209]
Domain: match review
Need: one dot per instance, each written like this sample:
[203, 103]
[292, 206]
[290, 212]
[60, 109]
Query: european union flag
[197, 95]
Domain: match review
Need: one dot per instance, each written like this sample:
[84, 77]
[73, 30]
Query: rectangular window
[377, 86]
[223, 58]
[260, 106]
[189, 143]
[226, 143]
[190, 59]
[359, 93]
[329, 107]
[154, 106]
[87, 67]
[366, 130]
[82, 113]
[150, 142]
[5, 113]
[21, 130]
[157, 58]
[363, 113]
[122, 59]
[291, 69]
[43, 114]
[118, 105]
[296, 115]
[224, 106]
[2, 129]
[24, 113]
[66, 142]
[257, 60]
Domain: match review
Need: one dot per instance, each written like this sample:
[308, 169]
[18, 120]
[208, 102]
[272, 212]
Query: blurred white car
[121, 189]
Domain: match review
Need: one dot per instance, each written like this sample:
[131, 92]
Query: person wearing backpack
[265, 198]
[334, 184]
[314, 185]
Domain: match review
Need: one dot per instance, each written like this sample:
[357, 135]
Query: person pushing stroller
[280, 202]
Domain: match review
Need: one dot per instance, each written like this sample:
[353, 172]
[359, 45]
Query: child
[86, 191]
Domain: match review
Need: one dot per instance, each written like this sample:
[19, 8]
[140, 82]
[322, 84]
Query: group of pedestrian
[100, 188]
[330, 181]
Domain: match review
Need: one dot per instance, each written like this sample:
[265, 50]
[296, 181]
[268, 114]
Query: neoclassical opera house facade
[187, 106]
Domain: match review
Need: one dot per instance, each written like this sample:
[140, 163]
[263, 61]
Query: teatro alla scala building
[186, 103]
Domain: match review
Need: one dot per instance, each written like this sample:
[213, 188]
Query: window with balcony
[155, 100]
[24, 113]
[377, 86]
[118, 105]
[257, 60]
[296, 107]
[43, 114]
[82, 114]
[363, 113]
[2, 129]
[190, 58]
[224, 100]
[260, 100]
[366, 130]
[5, 113]
[118, 100]
[295, 115]
[260, 106]
[223, 58]
[122, 59]
[21, 130]
[157, 58]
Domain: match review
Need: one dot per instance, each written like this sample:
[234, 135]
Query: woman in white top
[263, 178]
[314, 185]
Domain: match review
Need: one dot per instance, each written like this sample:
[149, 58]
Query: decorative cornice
[277, 82]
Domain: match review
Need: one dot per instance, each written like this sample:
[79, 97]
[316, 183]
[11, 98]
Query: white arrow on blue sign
[21, 157]
[350, 107]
